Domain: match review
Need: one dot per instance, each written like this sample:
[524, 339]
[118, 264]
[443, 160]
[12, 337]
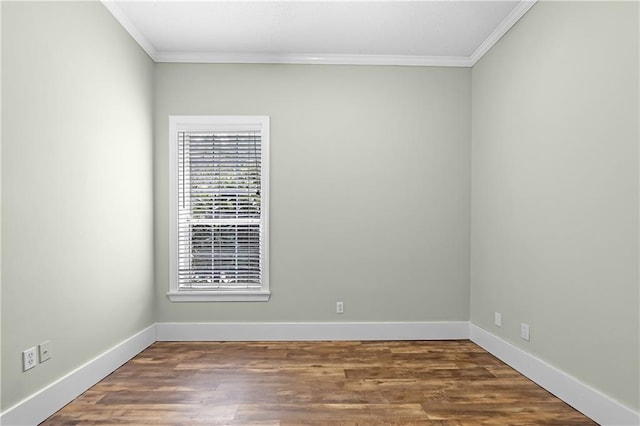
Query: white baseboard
[312, 331]
[39, 406]
[582, 397]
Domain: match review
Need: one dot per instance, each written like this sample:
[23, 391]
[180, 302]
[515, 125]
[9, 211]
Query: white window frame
[178, 123]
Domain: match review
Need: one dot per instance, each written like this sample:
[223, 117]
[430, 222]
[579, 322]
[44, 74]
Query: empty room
[320, 212]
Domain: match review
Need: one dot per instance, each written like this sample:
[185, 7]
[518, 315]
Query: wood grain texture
[317, 383]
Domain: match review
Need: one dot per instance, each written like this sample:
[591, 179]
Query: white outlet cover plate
[45, 350]
[524, 331]
[497, 319]
[29, 359]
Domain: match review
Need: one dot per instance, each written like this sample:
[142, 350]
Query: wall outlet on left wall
[28, 359]
[44, 350]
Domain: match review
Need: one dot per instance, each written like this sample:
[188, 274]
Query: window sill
[219, 296]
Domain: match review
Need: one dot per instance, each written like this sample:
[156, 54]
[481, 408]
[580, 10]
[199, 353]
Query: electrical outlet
[497, 319]
[339, 308]
[28, 359]
[524, 331]
[45, 351]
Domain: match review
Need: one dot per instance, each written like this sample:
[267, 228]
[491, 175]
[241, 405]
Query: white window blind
[220, 218]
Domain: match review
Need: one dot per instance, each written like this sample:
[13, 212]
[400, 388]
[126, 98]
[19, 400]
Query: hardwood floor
[319, 383]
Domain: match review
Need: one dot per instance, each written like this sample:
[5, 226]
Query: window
[219, 192]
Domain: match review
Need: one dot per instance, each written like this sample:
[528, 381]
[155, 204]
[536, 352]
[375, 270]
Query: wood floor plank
[445, 383]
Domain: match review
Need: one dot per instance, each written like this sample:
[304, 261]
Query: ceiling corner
[504, 26]
[121, 17]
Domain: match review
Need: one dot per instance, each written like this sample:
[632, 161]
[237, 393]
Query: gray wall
[555, 190]
[369, 188]
[77, 236]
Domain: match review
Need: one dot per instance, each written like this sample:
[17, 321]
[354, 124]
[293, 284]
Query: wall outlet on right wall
[524, 331]
[497, 319]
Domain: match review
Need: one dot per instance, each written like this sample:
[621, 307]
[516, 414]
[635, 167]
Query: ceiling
[428, 33]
